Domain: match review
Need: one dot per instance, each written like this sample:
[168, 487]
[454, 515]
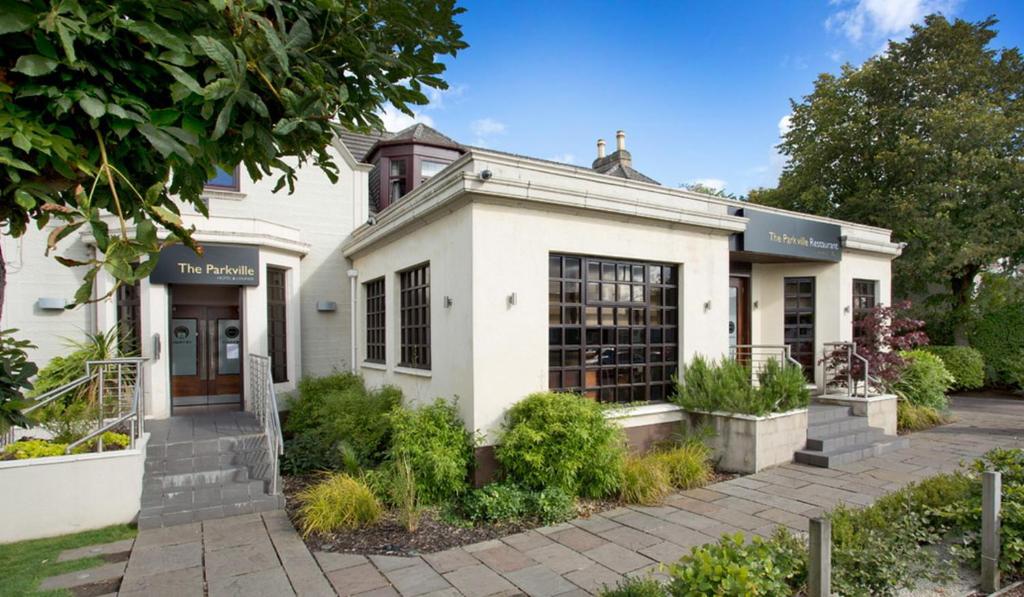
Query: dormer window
[404, 161]
[429, 168]
[397, 180]
[224, 180]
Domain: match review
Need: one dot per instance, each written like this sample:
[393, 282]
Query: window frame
[806, 359]
[278, 357]
[375, 318]
[414, 316]
[236, 186]
[402, 179]
[858, 312]
[128, 309]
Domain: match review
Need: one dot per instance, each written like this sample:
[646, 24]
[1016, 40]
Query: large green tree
[925, 139]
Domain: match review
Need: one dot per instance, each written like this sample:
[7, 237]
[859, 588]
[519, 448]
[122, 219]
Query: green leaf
[15, 16]
[157, 35]
[166, 216]
[221, 56]
[274, 42]
[34, 65]
[164, 143]
[92, 106]
[84, 292]
[24, 200]
[145, 232]
[223, 119]
[101, 233]
[21, 142]
[184, 78]
[164, 117]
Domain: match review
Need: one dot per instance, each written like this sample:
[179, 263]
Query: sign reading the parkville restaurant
[778, 234]
[228, 265]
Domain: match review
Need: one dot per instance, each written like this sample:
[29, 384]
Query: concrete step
[156, 518]
[837, 427]
[203, 447]
[195, 497]
[852, 453]
[219, 476]
[840, 440]
[819, 414]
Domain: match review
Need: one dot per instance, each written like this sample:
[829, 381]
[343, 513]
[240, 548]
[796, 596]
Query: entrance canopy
[775, 237]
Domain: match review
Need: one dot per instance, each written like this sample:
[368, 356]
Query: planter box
[46, 497]
[880, 410]
[748, 444]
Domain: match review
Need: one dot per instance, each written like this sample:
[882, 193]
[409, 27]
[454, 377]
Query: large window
[865, 298]
[375, 311]
[397, 182]
[798, 325]
[613, 328]
[277, 345]
[414, 314]
[225, 180]
[129, 321]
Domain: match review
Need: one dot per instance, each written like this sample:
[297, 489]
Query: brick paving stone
[357, 579]
[83, 577]
[560, 558]
[594, 578]
[656, 511]
[381, 592]
[554, 528]
[578, 539]
[154, 559]
[575, 593]
[504, 559]
[540, 581]
[450, 559]
[176, 535]
[657, 572]
[743, 505]
[596, 524]
[449, 592]
[174, 583]
[665, 552]
[690, 504]
[241, 559]
[716, 532]
[416, 580]
[527, 540]
[638, 520]
[745, 482]
[737, 519]
[96, 550]
[680, 535]
[629, 538]
[490, 544]
[385, 563]
[704, 494]
[330, 561]
[693, 521]
[478, 581]
[617, 558]
[271, 582]
[794, 521]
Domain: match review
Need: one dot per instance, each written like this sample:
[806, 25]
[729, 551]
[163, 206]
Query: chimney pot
[600, 148]
[620, 140]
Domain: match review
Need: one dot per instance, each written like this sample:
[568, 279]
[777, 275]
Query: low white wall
[748, 444]
[45, 497]
[881, 411]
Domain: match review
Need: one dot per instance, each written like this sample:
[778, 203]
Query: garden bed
[748, 443]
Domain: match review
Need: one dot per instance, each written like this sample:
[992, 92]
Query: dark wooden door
[206, 356]
[798, 325]
[739, 316]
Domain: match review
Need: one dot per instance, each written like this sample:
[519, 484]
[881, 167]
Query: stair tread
[842, 434]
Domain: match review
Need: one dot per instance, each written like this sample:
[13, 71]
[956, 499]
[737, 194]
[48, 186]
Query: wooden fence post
[991, 490]
[819, 573]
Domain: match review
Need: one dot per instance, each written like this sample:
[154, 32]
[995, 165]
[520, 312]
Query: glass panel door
[798, 324]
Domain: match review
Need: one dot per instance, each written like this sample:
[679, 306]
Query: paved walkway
[262, 554]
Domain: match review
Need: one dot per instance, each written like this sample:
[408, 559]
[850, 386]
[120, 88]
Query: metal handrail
[266, 410]
[51, 395]
[784, 349]
[133, 414]
[846, 353]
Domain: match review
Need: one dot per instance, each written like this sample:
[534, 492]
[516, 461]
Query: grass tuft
[337, 502]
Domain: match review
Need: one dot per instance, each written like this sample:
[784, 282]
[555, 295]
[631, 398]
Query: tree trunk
[963, 293]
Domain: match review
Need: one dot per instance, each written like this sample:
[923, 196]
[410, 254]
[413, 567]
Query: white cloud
[882, 18]
[565, 158]
[785, 124]
[396, 120]
[440, 97]
[715, 184]
[487, 126]
[835, 56]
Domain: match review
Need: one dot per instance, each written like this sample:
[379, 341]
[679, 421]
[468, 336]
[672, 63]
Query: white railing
[115, 386]
[264, 406]
[756, 356]
[847, 372]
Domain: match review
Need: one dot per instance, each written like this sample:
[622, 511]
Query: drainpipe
[352, 275]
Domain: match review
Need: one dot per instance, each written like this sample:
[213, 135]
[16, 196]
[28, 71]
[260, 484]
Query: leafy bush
[636, 587]
[561, 440]
[709, 386]
[337, 502]
[924, 381]
[65, 369]
[775, 566]
[404, 494]
[688, 466]
[644, 480]
[111, 441]
[496, 502]
[435, 443]
[551, 505]
[16, 374]
[964, 363]
[33, 448]
[68, 420]
[999, 336]
[335, 416]
[910, 417]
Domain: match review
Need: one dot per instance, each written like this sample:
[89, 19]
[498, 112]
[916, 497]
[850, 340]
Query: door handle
[201, 348]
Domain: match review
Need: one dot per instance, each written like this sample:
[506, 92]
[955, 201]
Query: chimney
[600, 148]
[620, 141]
[620, 157]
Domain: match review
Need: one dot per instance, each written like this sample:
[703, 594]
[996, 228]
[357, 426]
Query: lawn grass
[26, 563]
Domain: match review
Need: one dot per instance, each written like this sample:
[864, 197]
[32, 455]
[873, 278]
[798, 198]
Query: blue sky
[701, 88]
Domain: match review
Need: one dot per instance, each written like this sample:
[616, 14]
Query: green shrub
[405, 495]
[550, 506]
[771, 567]
[33, 448]
[688, 466]
[910, 417]
[782, 387]
[964, 363]
[338, 502]
[999, 336]
[561, 440]
[335, 416]
[636, 587]
[497, 502]
[726, 386]
[435, 443]
[67, 368]
[111, 441]
[644, 480]
[924, 381]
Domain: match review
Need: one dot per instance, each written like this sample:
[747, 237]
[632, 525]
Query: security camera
[485, 175]
[371, 221]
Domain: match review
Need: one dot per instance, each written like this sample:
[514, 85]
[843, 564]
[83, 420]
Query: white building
[463, 272]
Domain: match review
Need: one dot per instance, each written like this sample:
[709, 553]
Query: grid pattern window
[414, 317]
[277, 345]
[396, 180]
[613, 328]
[798, 324]
[865, 298]
[375, 313]
[129, 321]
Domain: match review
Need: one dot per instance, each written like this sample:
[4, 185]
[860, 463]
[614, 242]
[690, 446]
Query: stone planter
[880, 410]
[45, 497]
[747, 443]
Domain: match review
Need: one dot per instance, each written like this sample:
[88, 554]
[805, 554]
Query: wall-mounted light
[326, 306]
[448, 302]
[846, 309]
[511, 299]
[756, 304]
[51, 304]
[707, 306]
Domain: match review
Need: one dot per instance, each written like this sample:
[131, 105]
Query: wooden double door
[739, 317]
[206, 358]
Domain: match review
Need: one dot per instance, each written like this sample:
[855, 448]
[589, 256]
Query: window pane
[225, 179]
[429, 168]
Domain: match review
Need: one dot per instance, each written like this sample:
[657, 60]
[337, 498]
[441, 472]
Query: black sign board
[224, 265]
[777, 234]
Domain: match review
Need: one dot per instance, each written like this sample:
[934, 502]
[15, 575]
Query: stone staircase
[204, 467]
[835, 436]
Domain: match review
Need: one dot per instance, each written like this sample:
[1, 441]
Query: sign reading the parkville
[778, 234]
[225, 265]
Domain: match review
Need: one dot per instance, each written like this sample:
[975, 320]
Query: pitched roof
[620, 170]
[359, 144]
[421, 133]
